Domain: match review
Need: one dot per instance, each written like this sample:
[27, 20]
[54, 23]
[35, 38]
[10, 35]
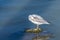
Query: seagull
[36, 19]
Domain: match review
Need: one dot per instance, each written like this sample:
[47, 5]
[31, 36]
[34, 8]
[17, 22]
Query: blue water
[14, 17]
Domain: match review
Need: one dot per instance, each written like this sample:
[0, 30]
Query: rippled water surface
[14, 17]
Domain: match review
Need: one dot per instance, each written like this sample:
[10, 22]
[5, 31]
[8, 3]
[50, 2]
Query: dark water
[14, 17]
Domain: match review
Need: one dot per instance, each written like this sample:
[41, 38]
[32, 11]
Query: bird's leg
[37, 33]
[37, 26]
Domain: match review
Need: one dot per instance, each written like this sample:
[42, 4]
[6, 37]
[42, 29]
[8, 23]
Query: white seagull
[36, 19]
